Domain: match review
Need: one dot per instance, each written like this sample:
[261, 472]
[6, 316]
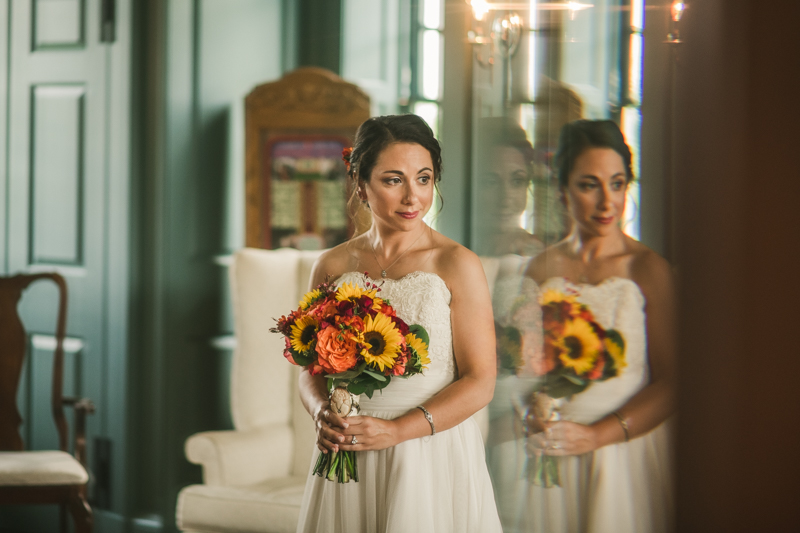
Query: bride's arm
[313, 389]
[655, 402]
[474, 349]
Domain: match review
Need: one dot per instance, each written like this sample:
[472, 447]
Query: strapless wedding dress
[620, 488]
[436, 484]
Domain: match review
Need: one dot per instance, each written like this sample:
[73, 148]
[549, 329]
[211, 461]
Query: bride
[611, 443]
[420, 454]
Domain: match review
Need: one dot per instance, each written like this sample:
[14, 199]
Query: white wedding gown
[620, 488]
[436, 484]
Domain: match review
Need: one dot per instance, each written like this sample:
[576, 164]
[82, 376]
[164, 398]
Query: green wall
[198, 61]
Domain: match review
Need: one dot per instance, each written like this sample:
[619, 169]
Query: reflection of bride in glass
[607, 441]
[504, 162]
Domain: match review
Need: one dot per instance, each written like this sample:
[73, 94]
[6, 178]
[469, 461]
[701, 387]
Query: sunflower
[309, 298]
[381, 341]
[352, 292]
[579, 346]
[419, 346]
[616, 349]
[303, 333]
[554, 296]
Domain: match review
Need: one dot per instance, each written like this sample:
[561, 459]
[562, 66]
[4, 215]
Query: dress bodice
[418, 298]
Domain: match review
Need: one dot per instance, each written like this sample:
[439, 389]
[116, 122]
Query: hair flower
[346, 157]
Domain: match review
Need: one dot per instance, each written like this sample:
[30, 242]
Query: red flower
[324, 309]
[597, 371]
[399, 367]
[346, 153]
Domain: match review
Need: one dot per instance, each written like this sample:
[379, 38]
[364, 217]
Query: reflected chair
[39, 477]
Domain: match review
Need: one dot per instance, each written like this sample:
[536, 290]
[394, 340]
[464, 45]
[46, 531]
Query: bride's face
[400, 188]
[595, 193]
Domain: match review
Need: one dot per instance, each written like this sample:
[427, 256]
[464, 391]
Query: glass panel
[432, 14]
[635, 77]
[526, 118]
[430, 112]
[637, 15]
[631, 127]
[431, 64]
[532, 65]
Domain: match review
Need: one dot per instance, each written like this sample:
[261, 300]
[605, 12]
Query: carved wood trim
[309, 101]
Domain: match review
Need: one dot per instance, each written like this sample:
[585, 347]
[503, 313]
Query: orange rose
[336, 351]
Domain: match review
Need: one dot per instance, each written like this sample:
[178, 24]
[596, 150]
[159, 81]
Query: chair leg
[81, 512]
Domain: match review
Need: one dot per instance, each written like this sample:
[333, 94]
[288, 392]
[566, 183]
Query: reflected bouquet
[355, 339]
[577, 352]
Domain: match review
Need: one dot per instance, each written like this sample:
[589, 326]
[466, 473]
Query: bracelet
[623, 423]
[429, 418]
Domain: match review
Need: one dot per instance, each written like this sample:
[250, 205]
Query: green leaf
[382, 384]
[347, 374]
[420, 332]
[358, 387]
[303, 359]
[616, 337]
[374, 374]
[559, 387]
[576, 380]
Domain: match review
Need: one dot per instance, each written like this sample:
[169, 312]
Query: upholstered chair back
[265, 285]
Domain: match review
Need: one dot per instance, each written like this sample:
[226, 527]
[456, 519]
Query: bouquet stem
[542, 471]
[337, 466]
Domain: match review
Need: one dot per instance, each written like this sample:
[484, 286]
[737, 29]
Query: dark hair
[376, 133]
[494, 132]
[580, 135]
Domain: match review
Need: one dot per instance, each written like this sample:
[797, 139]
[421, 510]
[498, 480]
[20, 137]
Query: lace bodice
[418, 298]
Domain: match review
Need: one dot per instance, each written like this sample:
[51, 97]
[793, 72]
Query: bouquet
[577, 352]
[354, 338]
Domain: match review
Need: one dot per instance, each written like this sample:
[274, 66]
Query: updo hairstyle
[580, 135]
[377, 133]
[499, 132]
[372, 138]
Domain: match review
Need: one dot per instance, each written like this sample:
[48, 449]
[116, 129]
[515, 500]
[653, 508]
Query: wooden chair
[39, 477]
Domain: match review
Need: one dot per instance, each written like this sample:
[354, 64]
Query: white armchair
[254, 475]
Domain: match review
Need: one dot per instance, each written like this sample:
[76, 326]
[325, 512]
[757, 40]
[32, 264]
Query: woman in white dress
[612, 442]
[420, 454]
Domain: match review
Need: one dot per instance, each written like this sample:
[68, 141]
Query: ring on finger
[354, 440]
[555, 446]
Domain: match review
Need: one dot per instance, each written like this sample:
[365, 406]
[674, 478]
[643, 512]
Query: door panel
[57, 162]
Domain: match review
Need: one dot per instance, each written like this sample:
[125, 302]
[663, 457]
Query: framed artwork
[306, 200]
[296, 186]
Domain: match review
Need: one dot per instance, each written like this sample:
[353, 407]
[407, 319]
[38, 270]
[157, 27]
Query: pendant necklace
[383, 270]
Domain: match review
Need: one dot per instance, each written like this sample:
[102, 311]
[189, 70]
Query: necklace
[383, 270]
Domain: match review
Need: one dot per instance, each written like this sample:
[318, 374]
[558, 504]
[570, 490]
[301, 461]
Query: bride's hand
[563, 438]
[370, 433]
[329, 430]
